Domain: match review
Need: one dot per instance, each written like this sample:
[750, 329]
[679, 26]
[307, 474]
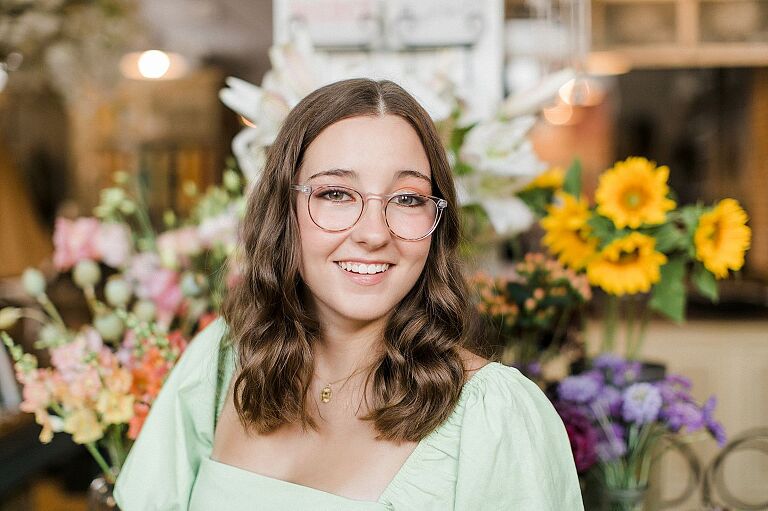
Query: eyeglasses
[410, 216]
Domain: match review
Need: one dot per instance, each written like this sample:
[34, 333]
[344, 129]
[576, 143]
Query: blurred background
[683, 83]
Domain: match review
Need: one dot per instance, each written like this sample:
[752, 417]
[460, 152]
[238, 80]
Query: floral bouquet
[531, 310]
[103, 377]
[636, 244]
[160, 289]
[614, 422]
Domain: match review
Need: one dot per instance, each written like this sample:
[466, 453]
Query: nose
[372, 228]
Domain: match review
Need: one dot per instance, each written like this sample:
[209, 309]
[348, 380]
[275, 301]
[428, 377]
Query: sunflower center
[628, 257]
[633, 198]
[717, 232]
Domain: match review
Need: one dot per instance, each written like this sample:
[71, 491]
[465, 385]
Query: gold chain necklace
[327, 393]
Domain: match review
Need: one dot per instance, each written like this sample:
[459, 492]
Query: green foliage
[537, 199]
[705, 282]
[668, 296]
[605, 230]
[669, 238]
[572, 182]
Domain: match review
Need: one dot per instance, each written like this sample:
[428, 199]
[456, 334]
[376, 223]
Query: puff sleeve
[514, 451]
[162, 465]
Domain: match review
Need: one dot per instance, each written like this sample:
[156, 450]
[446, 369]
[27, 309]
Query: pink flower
[36, 393]
[157, 284]
[74, 240]
[177, 245]
[69, 359]
[86, 385]
[114, 244]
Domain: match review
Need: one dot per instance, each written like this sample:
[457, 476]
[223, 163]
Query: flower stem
[609, 331]
[49, 308]
[103, 465]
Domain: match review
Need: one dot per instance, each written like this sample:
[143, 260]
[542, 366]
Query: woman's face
[368, 154]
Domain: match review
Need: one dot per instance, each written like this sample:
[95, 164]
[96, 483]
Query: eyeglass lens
[408, 215]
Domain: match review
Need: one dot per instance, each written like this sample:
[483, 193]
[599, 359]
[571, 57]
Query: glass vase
[623, 499]
[100, 496]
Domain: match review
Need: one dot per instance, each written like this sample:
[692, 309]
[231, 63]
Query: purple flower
[579, 389]
[675, 388]
[683, 414]
[608, 361]
[607, 402]
[620, 371]
[581, 434]
[642, 402]
[714, 427]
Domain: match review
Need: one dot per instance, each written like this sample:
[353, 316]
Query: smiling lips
[362, 268]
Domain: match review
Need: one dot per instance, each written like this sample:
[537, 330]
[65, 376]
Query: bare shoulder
[472, 362]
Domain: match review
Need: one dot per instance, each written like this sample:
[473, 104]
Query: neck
[345, 348]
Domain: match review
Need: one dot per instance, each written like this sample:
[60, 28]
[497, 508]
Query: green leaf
[605, 230]
[705, 282]
[668, 295]
[669, 238]
[572, 181]
[690, 216]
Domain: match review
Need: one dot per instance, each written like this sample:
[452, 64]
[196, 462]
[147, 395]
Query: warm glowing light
[607, 63]
[582, 91]
[559, 115]
[154, 64]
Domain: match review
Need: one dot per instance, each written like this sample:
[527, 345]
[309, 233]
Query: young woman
[338, 377]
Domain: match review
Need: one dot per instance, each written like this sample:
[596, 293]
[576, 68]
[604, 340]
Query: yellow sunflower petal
[722, 237]
[628, 265]
[633, 193]
[567, 231]
[552, 178]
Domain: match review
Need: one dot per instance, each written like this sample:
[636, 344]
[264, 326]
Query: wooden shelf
[704, 55]
[683, 33]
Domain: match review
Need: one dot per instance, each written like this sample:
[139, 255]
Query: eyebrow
[353, 174]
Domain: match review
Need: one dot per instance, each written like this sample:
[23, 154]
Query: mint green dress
[503, 447]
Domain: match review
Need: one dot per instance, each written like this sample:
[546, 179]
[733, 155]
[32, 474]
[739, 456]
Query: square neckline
[398, 475]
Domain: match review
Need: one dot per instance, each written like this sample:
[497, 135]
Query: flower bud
[112, 197]
[144, 310]
[51, 335]
[118, 292]
[231, 181]
[127, 207]
[86, 274]
[8, 317]
[33, 282]
[109, 326]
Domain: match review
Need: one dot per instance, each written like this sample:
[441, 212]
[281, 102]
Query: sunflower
[722, 237]
[550, 179]
[633, 193]
[567, 231]
[627, 265]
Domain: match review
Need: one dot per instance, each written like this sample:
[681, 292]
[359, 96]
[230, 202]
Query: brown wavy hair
[417, 380]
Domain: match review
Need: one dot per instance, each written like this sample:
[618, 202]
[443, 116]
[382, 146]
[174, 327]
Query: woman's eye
[409, 200]
[335, 195]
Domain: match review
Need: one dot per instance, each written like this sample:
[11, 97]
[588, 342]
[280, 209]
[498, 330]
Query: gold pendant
[325, 395]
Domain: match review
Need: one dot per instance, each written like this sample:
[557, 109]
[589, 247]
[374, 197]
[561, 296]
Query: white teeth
[364, 269]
